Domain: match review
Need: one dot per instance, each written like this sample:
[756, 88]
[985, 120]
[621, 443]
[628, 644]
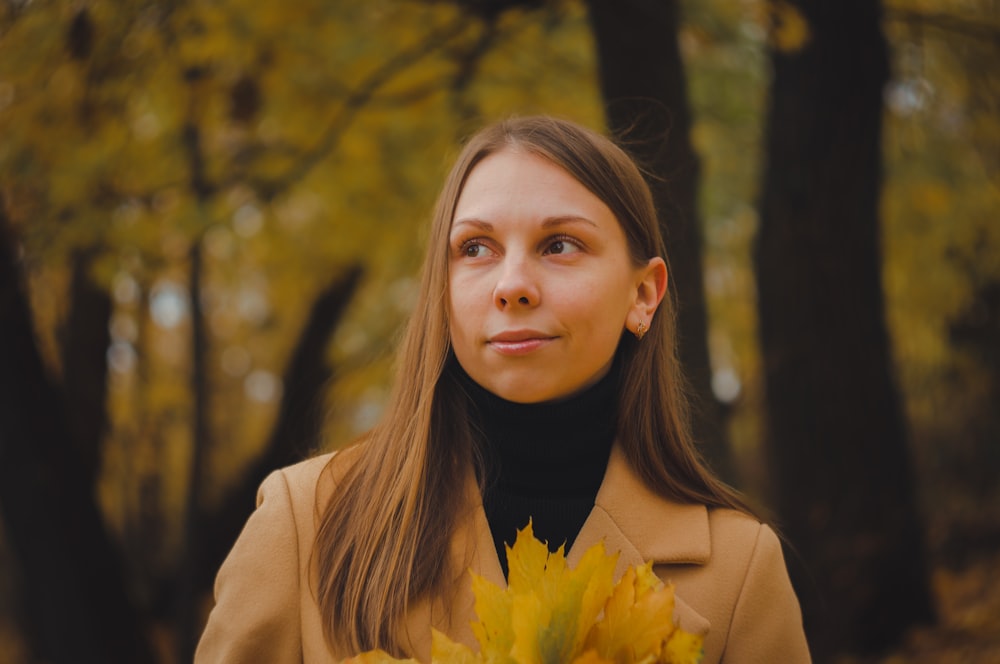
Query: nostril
[503, 301]
[522, 300]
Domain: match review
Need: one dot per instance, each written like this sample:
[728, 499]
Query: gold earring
[640, 331]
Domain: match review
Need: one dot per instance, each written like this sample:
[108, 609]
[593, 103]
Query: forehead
[514, 182]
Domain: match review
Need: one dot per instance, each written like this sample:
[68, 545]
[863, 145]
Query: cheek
[461, 312]
[469, 291]
[604, 303]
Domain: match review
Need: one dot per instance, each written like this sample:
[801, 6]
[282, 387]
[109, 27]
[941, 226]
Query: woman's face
[541, 284]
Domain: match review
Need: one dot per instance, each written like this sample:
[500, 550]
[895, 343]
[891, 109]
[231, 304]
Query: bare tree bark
[79, 609]
[192, 558]
[842, 470]
[645, 97]
[84, 342]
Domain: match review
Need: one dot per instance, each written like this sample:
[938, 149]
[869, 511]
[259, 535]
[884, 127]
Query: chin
[518, 391]
[527, 391]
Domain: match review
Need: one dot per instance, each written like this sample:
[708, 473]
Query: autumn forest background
[212, 214]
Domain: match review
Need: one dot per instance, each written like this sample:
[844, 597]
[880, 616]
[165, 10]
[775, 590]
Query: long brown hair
[384, 534]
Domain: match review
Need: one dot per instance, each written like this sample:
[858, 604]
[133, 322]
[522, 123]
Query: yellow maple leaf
[550, 613]
[554, 606]
[444, 649]
[683, 648]
[598, 569]
[638, 618]
[494, 630]
[591, 657]
[530, 622]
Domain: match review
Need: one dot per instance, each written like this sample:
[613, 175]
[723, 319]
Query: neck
[548, 448]
[543, 461]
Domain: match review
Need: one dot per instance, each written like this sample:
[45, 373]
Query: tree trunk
[84, 343]
[193, 558]
[842, 471]
[645, 97]
[78, 609]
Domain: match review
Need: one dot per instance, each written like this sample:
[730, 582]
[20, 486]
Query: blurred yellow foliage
[788, 28]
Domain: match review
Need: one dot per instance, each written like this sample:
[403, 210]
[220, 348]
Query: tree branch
[354, 102]
[468, 61]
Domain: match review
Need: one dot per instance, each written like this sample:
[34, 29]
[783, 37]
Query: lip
[518, 342]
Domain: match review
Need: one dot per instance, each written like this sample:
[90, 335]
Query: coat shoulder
[312, 480]
[738, 539]
[743, 590]
[733, 528]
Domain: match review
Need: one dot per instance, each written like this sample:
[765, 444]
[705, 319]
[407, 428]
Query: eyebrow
[548, 222]
[551, 222]
[478, 223]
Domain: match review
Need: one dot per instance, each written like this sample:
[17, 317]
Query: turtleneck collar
[552, 449]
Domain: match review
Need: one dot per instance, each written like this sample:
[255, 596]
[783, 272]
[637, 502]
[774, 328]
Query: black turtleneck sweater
[543, 461]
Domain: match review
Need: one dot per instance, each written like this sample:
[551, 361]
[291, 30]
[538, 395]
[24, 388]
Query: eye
[474, 249]
[562, 245]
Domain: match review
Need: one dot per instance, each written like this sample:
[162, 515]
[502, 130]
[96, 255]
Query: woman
[537, 379]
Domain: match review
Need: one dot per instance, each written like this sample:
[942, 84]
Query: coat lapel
[657, 529]
[642, 526]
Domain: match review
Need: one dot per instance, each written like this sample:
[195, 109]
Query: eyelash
[563, 238]
[463, 248]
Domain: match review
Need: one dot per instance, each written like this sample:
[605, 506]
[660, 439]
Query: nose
[516, 285]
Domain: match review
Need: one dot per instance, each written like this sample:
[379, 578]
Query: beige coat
[728, 569]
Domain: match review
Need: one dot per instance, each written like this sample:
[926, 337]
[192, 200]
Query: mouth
[519, 342]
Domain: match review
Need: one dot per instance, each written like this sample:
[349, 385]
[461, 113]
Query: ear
[651, 287]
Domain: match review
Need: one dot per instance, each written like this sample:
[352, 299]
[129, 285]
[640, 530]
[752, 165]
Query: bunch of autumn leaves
[551, 614]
